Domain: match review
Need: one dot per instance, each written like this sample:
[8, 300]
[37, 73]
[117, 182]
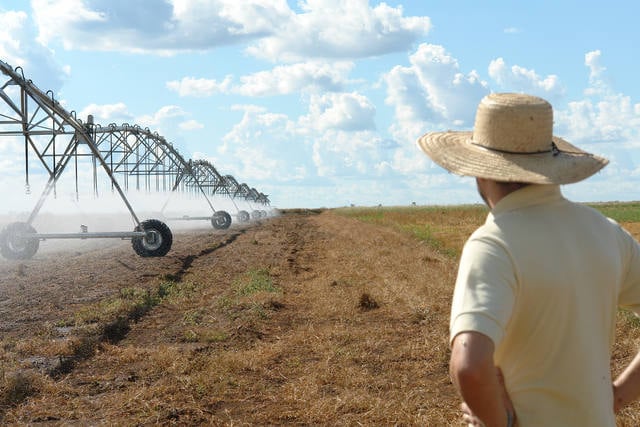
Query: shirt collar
[533, 194]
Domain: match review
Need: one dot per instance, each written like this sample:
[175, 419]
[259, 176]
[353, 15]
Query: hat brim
[455, 151]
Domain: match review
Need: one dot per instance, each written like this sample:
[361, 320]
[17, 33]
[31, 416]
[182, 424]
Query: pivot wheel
[221, 220]
[15, 242]
[243, 216]
[255, 214]
[156, 242]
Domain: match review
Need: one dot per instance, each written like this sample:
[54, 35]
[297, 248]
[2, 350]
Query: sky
[319, 103]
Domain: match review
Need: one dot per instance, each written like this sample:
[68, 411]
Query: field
[313, 317]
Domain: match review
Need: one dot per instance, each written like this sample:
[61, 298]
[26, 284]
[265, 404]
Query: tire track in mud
[42, 285]
[34, 294]
[276, 246]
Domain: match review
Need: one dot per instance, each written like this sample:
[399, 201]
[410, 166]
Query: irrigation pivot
[147, 162]
[56, 139]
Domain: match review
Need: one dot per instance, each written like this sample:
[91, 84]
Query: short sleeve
[485, 290]
[629, 295]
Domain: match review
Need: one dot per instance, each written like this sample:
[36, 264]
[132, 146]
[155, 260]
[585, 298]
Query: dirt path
[354, 330]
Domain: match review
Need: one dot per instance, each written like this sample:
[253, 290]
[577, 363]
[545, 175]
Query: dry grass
[306, 320]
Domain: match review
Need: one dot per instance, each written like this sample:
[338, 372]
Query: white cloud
[592, 60]
[604, 115]
[169, 122]
[433, 90]
[597, 83]
[11, 22]
[267, 146]
[191, 125]
[431, 94]
[324, 29]
[18, 49]
[451, 94]
[340, 111]
[191, 86]
[309, 76]
[157, 26]
[11, 156]
[168, 112]
[264, 146]
[520, 79]
[107, 113]
[304, 76]
[350, 154]
[607, 123]
[341, 29]
[59, 18]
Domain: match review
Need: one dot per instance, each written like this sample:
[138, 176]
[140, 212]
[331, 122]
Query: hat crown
[514, 123]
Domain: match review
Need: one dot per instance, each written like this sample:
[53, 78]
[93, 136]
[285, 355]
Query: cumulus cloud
[607, 123]
[309, 76]
[11, 156]
[448, 89]
[191, 125]
[520, 79]
[340, 154]
[264, 146]
[18, 49]
[270, 146]
[324, 29]
[199, 87]
[603, 116]
[341, 29]
[107, 113]
[168, 112]
[158, 26]
[304, 76]
[597, 83]
[430, 94]
[169, 122]
[340, 111]
[433, 90]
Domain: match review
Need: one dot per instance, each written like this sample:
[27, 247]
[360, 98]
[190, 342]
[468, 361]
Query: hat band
[554, 149]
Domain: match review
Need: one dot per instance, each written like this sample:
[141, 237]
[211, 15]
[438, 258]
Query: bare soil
[356, 333]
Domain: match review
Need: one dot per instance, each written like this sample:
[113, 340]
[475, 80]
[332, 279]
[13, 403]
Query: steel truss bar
[136, 152]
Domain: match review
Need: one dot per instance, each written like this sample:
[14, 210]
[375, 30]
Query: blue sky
[320, 102]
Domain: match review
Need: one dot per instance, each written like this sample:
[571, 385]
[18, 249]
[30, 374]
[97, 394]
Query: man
[539, 284]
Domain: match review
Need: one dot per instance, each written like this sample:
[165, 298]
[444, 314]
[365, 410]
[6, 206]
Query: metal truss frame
[132, 157]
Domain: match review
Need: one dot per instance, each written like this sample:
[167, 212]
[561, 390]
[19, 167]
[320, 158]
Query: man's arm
[475, 376]
[626, 388]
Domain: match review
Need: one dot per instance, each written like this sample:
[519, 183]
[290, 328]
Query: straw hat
[512, 141]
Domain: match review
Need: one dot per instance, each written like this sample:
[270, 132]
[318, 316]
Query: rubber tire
[255, 214]
[163, 239]
[263, 214]
[243, 216]
[221, 220]
[13, 244]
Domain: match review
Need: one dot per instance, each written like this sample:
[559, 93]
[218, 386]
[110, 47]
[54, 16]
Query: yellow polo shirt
[543, 278]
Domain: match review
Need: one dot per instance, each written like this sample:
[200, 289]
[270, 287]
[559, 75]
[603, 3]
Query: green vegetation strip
[106, 321]
[130, 304]
[444, 228]
[620, 211]
[440, 227]
[251, 294]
